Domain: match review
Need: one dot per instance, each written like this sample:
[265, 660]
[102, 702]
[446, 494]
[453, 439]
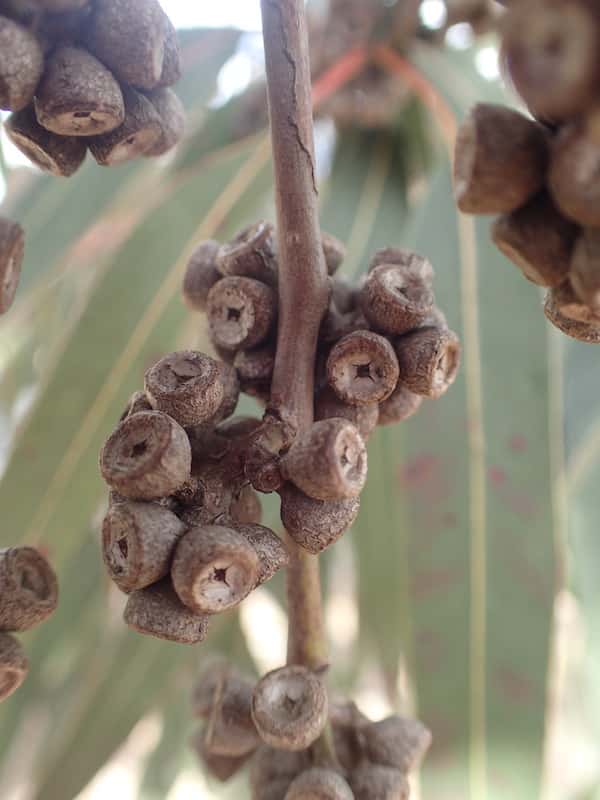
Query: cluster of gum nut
[83, 75]
[182, 534]
[540, 173]
[28, 595]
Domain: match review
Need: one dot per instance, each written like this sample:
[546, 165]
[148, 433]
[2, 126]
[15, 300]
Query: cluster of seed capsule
[541, 175]
[28, 595]
[271, 725]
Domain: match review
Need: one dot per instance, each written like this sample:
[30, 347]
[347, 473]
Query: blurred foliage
[460, 545]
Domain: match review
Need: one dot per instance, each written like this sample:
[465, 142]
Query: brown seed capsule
[585, 269]
[246, 507]
[269, 548]
[138, 540]
[251, 254]
[500, 160]
[336, 325]
[223, 768]
[410, 262]
[289, 708]
[13, 665]
[344, 295]
[551, 50]
[334, 252]
[137, 402]
[148, 456]
[60, 155]
[396, 742]
[328, 405]
[400, 405]
[394, 299]
[538, 239]
[272, 771]
[429, 359]
[241, 312]
[171, 113]
[214, 568]
[374, 782]
[230, 730]
[140, 130]
[201, 275]
[129, 37]
[319, 783]
[210, 683]
[255, 367]
[187, 385]
[21, 65]
[315, 524]
[231, 391]
[29, 589]
[574, 167]
[239, 427]
[362, 368]
[560, 314]
[12, 248]
[62, 26]
[171, 69]
[77, 95]
[329, 462]
[157, 611]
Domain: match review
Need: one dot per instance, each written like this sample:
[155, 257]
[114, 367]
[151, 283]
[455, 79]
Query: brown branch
[303, 288]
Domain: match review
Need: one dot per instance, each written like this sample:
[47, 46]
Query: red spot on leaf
[497, 476]
[436, 580]
[514, 686]
[518, 443]
[419, 470]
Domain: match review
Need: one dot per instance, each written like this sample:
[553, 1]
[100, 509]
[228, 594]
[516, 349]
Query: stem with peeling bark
[303, 285]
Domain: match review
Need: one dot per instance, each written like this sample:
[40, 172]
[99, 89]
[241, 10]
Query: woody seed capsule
[374, 782]
[214, 568]
[429, 359]
[140, 130]
[172, 120]
[201, 275]
[129, 37]
[21, 65]
[289, 708]
[255, 367]
[500, 160]
[538, 239]
[28, 589]
[362, 368]
[241, 312]
[585, 330]
[12, 248]
[394, 299]
[273, 770]
[157, 611]
[13, 665]
[246, 507]
[148, 456]
[251, 254]
[400, 405]
[171, 69]
[573, 175]
[344, 296]
[77, 95]
[364, 418]
[230, 730]
[319, 783]
[585, 269]
[137, 402]
[315, 524]
[396, 742]
[186, 385]
[271, 552]
[220, 767]
[409, 262]
[334, 252]
[329, 462]
[138, 540]
[59, 155]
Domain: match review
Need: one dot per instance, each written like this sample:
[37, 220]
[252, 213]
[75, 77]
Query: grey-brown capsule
[28, 589]
[429, 359]
[157, 611]
[201, 275]
[171, 113]
[241, 312]
[400, 405]
[12, 249]
[214, 568]
[344, 295]
[77, 95]
[229, 728]
[538, 239]
[574, 166]
[223, 768]
[409, 262]
[315, 524]
[129, 37]
[364, 418]
[334, 252]
[246, 507]
[140, 130]
[395, 299]
[171, 69]
[319, 783]
[329, 462]
[21, 65]
[210, 684]
[374, 782]
[585, 268]
[289, 708]
[13, 665]
[148, 456]
[228, 376]
[138, 540]
[59, 155]
[255, 367]
[187, 385]
[362, 368]
[396, 742]
[251, 254]
[571, 316]
[137, 402]
[272, 771]
[271, 551]
[500, 160]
